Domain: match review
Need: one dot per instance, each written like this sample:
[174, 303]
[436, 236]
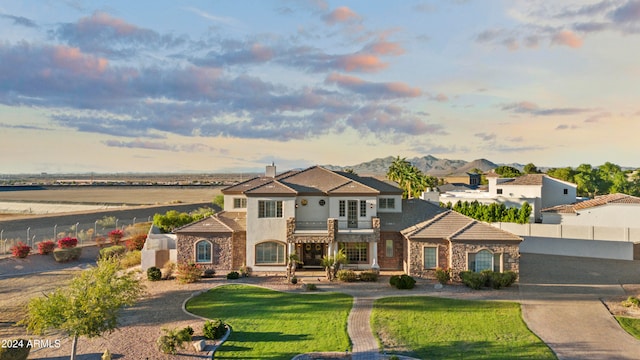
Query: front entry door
[312, 254]
[352, 214]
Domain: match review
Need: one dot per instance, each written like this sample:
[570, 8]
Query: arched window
[203, 251]
[270, 252]
[484, 260]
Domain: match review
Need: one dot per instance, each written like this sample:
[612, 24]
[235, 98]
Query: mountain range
[429, 165]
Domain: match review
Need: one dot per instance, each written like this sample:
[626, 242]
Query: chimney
[271, 171]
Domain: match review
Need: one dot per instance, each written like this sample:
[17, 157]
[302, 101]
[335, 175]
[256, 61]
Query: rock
[438, 286]
[199, 345]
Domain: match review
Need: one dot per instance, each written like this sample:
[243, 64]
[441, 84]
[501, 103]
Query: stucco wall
[611, 215]
[553, 193]
[266, 229]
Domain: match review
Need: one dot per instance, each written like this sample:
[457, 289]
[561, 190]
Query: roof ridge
[421, 225]
[216, 217]
[463, 228]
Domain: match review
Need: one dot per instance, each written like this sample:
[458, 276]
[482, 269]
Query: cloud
[371, 89]
[596, 118]
[153, 145]
[383, 47]
[440, 98]
[627, 13]
[341, 15]
[26, 127]
[19, 20]
[526, 107]
[486, 137]
[391, 120]
[229, 21]
[566, 127]
[567, 38]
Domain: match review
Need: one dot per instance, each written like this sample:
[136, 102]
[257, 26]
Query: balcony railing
[355, 225]
[311, 225]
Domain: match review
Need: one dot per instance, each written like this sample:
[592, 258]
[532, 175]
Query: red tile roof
[616, 198]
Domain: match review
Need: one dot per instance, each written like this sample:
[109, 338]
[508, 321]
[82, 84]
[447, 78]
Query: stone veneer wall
[510, 257]
[416, 267]
[222, 258]
[332, 228]
[395, 262]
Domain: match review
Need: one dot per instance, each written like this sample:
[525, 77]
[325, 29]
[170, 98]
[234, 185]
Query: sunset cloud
[371, 89]
[567, 38]
[526, 107]
[341, 15]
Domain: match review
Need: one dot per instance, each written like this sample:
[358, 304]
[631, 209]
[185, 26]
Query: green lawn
[436, 328]
[630, 325]
[269, 324]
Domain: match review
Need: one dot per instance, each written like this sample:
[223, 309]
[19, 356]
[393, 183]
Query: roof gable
[272, 188]
[207, 225]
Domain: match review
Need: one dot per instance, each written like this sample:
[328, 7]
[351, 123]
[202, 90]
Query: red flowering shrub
[136, 242]
[46, 247]
[67, 243]
[188, 273]
[20, 250]
[116, 236]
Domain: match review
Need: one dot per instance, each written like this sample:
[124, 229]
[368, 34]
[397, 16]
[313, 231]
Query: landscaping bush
[66, 255]
[115, 236]
[46, 247]
[188, 273]
[443, 275]
[214, 329]
[167, 270]
[631, 302]
[154, 274]
[67, 243]
[310, 287]
[208, 273]
[111, 251]
[472, 279]
[14, 349]
[172, 340]
[369, 276]
[403, 281]
[511, 277]
[131, 258]
[100, 241]
[347, 275]
[20, 250]
[233, 275]
[136, 242]
[245, 271]
[189, 330]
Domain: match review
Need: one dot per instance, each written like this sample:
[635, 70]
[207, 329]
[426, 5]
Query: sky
[227, 85]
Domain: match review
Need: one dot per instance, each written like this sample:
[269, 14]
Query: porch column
[292, 248]
[374, 264]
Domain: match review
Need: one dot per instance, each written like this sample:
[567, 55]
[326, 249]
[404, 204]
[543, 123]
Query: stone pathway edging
[211, 350]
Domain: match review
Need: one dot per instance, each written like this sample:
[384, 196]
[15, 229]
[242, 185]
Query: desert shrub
[167, 270]
[393, 280]
[403, 281]
[311, 287]
[369, 276]
[499, 280]
[136, 242]
[472, 279]
[208, 273]
[131, 258]
[107, 222]
[67, 243]
[154, 274]
[245, 271]
[66, 255]
[115, 236]
[188, 273]
[100, 241]
[294, 280]
[631, 302]
[511, 277]
[46, 247]
[214, 329]
[188, 330]
[233, 275]
[172, 340]
[15, 349]
[443, 275]
[20, 250]
[111, 251]
[347, 275]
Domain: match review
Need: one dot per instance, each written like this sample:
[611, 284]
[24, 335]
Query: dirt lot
[147, 195]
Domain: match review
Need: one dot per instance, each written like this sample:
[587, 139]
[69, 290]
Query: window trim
[279, 245]
[424, 263]
[387, 203]
[497, 260]
[197, 252]
[342, 208]
[363, 208]
[350, 248]
[242, 203]
[265, 213]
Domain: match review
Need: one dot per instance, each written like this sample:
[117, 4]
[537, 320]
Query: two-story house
[316, 212]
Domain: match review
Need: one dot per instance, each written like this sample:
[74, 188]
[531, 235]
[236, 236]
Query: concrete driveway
[561, 303]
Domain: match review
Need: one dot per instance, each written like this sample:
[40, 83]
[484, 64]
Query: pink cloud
[73, 59]
[377, 90]
[99, 19]
[361, 62]
[341, 15]
[385, 48]
[261, 52]
[441, 98]
[567, 38]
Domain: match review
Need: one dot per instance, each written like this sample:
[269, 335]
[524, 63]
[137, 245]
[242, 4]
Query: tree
[531, 169]
[292, 263]
[332, 264]
[410, 179]
[565, 173]
[507, 171]
[89, 306]
[219, 200]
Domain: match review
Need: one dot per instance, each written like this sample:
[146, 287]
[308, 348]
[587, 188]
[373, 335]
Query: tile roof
[352, 187]
[453, 226]
[222, 222]
[414, 211]
[273, 188]
[527, 179]
[616, 198]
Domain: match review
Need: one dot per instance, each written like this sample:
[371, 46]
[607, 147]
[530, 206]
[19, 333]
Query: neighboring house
[471, 179]
[315, 212]
[539, 190]
[613, 210]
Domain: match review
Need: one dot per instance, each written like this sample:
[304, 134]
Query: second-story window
[363, 208]
[387, 203]
[269, 209]
[239, 203]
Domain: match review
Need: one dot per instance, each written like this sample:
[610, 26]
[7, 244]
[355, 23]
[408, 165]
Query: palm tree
[332, 264]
